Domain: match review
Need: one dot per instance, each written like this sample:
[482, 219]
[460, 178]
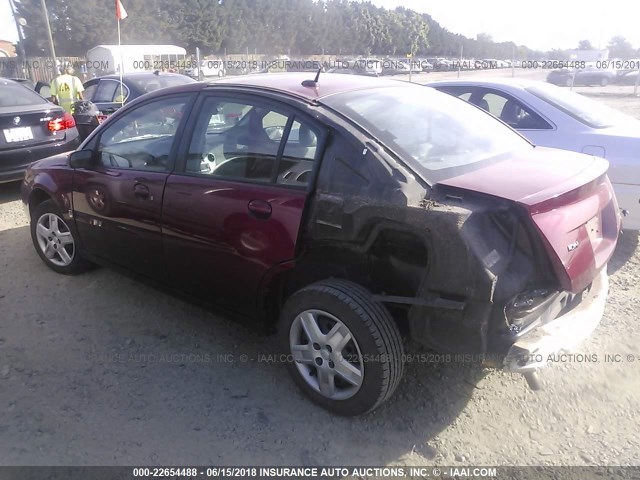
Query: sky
[539, 24]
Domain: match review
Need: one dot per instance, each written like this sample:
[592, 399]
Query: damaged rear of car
[513, 239]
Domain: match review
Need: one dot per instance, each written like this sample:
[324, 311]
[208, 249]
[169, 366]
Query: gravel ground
[102, 370]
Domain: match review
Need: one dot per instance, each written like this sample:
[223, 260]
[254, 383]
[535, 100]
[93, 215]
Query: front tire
[55, 240]
[346, 350]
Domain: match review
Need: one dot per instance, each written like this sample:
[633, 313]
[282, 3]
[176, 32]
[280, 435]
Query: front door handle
[259, 209]
[141, 191]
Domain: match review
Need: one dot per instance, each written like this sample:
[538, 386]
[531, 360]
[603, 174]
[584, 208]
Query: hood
[59, 160]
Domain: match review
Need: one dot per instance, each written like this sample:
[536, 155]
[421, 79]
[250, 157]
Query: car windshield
[149, 83]
[587, 111]
[16, 95]
[437, 131]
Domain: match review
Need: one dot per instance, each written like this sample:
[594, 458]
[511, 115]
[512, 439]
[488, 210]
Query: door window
[142, 138]
[299, 153]
[242, 141]
[90, 91]
[511, 111]
[109, 92]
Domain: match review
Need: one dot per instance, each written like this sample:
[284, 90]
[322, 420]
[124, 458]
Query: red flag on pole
[121, 13]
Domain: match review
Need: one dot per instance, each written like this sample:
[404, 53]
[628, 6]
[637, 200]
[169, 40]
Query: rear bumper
[565, 333]
[13, 163]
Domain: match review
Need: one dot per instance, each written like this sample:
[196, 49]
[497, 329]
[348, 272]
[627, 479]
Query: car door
[118, 202]
[108, 95]
[233, 208]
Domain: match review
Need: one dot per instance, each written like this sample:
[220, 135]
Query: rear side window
[90, 91]
[349, 168]
[16, 95]
[109, 91]
[511, 111]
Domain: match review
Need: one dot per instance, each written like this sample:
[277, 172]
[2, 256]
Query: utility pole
[52, 49]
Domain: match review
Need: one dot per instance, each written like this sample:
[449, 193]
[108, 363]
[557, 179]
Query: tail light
[61, 123]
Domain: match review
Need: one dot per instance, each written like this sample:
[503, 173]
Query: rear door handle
[259, 209]
[141, 191]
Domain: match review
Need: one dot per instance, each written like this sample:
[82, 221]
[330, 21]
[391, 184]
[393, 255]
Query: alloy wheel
[326, 354]
[55, 239]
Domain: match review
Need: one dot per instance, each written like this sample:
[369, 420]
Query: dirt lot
[100, 369]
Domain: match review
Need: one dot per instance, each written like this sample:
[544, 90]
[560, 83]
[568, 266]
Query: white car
[551, 116]
[208, 68]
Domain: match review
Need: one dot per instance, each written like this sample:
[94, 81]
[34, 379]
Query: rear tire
[56, 240]
[346, 350]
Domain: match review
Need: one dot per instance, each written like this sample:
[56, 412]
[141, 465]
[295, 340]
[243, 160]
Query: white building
[589, 55]
[104, 59]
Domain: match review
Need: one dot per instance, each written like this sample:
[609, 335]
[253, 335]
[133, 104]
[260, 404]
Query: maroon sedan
[346, 212]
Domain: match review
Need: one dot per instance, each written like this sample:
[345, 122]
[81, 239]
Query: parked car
[341, 212]
[32, 128]
[586, 77]
[426, 66]
[628, 78]
[106, 94]
[550, 116]
[208, 68]
[441, 64]
[395, 67]
[370, 66]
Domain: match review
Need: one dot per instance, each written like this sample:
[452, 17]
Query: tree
[619, 47]
[585, 45]
[269, 26]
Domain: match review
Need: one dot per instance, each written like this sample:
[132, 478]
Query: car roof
[9, 80]
[494, 82]
[125, 76]
[291, 83]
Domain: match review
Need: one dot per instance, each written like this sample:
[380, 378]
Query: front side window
[243, 140]
[425, 127]
[142, 138]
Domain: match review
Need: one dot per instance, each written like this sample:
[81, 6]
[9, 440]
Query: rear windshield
[156, 82]
[436, 130]
[16, 95]
[587, 111]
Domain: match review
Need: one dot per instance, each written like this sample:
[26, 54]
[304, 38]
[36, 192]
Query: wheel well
[394, 263]
[36, 198]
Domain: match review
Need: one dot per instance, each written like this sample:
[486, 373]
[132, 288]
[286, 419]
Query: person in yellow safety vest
[66, 89]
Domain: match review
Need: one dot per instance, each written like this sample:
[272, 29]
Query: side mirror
[82, 159]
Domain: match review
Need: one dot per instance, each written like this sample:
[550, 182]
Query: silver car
[551, 116]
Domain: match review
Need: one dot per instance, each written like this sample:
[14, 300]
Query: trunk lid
[570, 201]
[27, 126]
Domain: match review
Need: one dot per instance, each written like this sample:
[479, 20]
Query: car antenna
[314, 82]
